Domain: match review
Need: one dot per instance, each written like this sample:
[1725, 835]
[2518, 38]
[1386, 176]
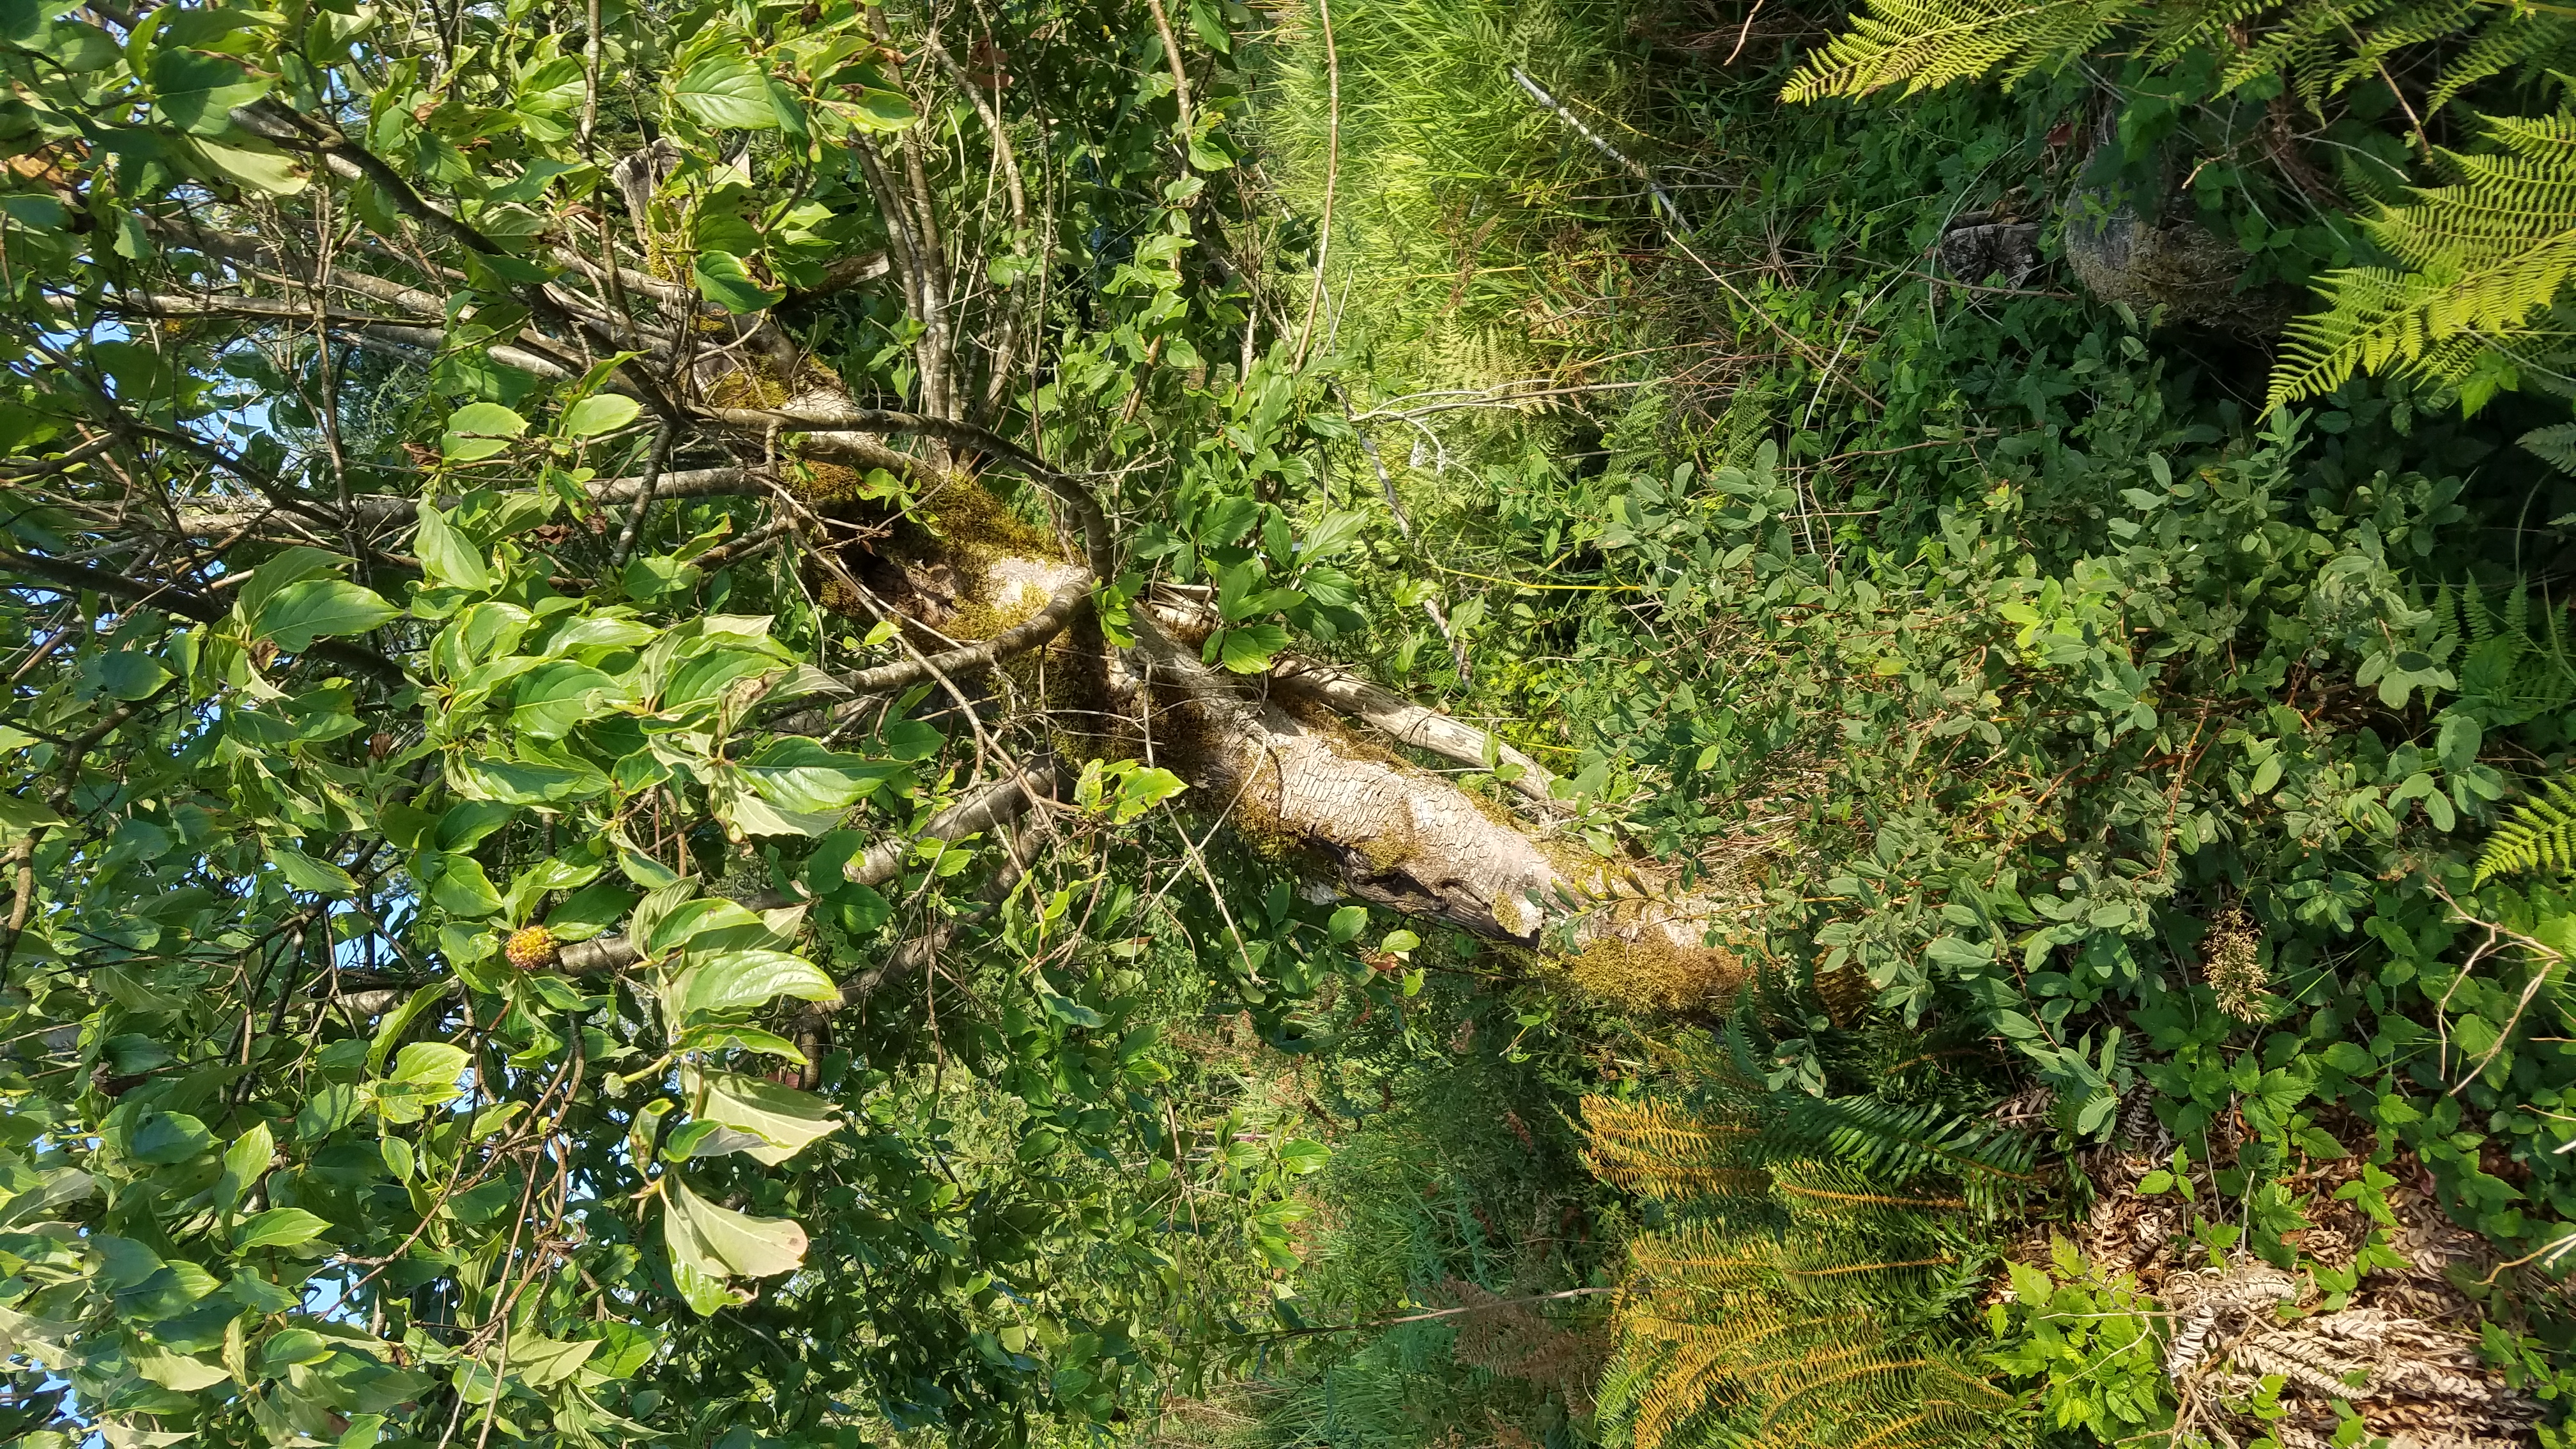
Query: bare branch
[1423, 728]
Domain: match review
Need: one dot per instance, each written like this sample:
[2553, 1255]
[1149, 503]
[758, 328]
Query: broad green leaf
[291, 1346]
[1961, 954]
[749, 814]
[258, 168]
[253, 1291]
[650, 576]
[548, 874]
[590, 911]
[466, 448]
[127, 674]
[705, 678]
[724, 90]
[598, 632]
[718, 1241]
[542, 1361]
[182, 1373]
[705, 1292]
[1209, 22]
[447, 555]
[21, 813]
[875, 109]
[399, 1020]
[1347, 923]
[426, 1077]
[554, 697]
[320, 609]
[795, 773]
[164, 1137]
[279, 1228]
[245, 1163]
[287, 566]
[2030, 1285]
[625, 1348]
[738, 980]
[724, 280]
[1249, 648]
[197, 92]
[2266, 775]
[676, 925]
[304, 873]
[76, 46]
[463, 890]
[553, 88]
[603, 413]
[464, 824]
[480, 430]
[782, 1120]
[331, 1106]
[513, 782]
[1069, 1011]
[1144, 788]
[490, 420]
[429, 1064]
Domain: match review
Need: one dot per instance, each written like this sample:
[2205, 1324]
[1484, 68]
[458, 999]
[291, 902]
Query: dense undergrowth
[2051, 710]
[2046, 526]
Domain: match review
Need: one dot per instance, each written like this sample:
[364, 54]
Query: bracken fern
[1924, 44]
[1809, 1310]
[2540, 835]
[2481, 257]
[2473, 260]
[1896, 1145]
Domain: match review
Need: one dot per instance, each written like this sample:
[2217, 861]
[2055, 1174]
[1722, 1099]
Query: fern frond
[1821, 1395]
[2423, 23]
[2511, 40]
[2176, 30]
[2556, 444]
[1670, 1152]
[1896, 1144]
[2539, 835]
[2300, 48]
[1687, 1381]
[2513, 671]
[1695, 1260]
[1925, 44]
[1862, 1199]
[2481, 256]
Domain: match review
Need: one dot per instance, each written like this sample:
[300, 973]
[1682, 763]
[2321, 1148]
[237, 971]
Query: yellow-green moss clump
[827, 485]
[1653, 975]
[978, 527]
[744, 387]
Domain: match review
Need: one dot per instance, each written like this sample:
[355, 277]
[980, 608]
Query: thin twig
[653, 460]
[1332, 174]
[1663, 198]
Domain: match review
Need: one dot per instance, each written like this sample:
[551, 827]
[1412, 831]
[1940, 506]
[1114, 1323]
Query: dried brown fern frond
[1681, 1385]
[1830, 1390]
[1696, 1258]
[1665, 1151]
[1514, 1340]
[1831, 1198]
[1693, 1367]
